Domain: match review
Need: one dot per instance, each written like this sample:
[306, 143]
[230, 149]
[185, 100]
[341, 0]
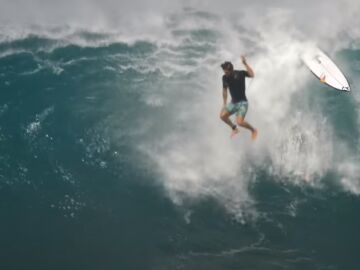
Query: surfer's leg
[240, 118]
[241, 122]
[225, 116]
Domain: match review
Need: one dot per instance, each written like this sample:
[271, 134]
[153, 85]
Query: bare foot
[254, 135]
[234, 132]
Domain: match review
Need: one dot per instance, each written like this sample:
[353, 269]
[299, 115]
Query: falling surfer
[234, 81]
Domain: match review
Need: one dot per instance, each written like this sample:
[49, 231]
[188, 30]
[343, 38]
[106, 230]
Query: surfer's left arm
[248, 68]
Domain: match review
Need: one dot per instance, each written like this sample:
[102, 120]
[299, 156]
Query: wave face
[112, 148]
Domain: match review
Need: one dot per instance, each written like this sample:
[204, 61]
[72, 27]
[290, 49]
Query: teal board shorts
[239, 108]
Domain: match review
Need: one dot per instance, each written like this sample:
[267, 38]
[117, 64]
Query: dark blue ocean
[113, 155]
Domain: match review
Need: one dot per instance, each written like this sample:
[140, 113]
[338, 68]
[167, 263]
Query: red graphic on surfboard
[323, 78]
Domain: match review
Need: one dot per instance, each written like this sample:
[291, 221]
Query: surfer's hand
[243, 59]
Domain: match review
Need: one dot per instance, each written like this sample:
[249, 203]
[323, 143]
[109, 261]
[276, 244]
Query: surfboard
[325, 69]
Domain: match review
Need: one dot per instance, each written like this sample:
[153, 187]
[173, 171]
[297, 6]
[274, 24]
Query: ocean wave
[172, 75]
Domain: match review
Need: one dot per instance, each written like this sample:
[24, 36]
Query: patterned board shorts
[240, 108]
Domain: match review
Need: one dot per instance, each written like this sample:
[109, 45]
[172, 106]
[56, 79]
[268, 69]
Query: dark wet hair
[227, 66]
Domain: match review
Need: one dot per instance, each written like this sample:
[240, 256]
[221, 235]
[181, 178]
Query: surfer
[234, 80]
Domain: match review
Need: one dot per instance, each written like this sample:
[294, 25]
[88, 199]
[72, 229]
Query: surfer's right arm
[249, 70]
[225, 87]
[224, 93]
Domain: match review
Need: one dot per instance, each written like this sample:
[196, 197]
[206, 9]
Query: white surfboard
[325, 69]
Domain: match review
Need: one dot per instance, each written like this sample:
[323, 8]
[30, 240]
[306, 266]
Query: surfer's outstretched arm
[248, 68]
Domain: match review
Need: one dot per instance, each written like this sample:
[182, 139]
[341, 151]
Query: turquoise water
[100, 166]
